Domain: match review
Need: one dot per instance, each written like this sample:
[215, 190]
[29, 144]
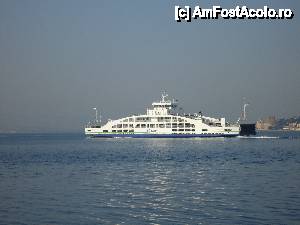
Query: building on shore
[292, 126]
[266, 123]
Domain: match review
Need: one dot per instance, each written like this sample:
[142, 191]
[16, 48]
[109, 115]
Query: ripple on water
[72, 180]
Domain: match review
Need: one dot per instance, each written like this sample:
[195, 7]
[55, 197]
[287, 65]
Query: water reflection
[149, 181]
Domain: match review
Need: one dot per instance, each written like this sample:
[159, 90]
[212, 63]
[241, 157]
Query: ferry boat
[163, 120]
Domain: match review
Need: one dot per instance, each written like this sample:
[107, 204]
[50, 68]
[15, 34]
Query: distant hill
[281, 123]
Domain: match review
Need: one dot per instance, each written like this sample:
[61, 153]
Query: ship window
[152, 125]
[164, 119]
[138, 126]
[181, 130]
[168, 125]
[174, 125]
[113, 131]
[192, 125]
[125, 130]
[167, 119]
[105, 131]
[187, 125]
[161, 125]
[131, 125]
[143, 125]
[131, 131]
[114, 126]
[174, 129]
[193, 129]
[160, 119]
[204, 129]
[119, 131]
[130, 119]
[174, 119]
[119, 126]
[89, 130]
[180, 120]
[187, 130]
[125, 125]
[142, 119]
[180, 125]
[227, 129]
[153, 119]
[126, 120]
[148, 125]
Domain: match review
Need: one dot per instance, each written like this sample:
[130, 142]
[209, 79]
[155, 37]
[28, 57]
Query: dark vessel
[246, 129]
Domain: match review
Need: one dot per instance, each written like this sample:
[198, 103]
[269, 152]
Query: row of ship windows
[174, 130]
[168, 125]
[105, 131]
[183, 130]
[124, 131]
[119, 131]
[158, 119]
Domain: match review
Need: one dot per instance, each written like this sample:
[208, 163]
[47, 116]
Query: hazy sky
[59, 59]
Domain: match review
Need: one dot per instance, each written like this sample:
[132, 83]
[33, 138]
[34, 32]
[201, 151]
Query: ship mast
[244, 115]
[163, 96]
[96, 116]
[244, 111]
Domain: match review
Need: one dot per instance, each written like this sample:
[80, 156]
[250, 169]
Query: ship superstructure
[164, 119]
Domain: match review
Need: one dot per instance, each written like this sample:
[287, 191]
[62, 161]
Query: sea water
[71, 179]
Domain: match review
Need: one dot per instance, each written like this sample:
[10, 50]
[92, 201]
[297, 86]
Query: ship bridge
[163, 107]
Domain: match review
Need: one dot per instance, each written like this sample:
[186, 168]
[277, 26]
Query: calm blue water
[68, 179]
